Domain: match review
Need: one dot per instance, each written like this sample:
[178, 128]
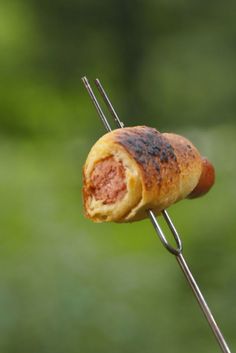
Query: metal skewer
[177, 251]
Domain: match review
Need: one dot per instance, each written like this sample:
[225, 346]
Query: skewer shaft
[177, 251]
[203, 304]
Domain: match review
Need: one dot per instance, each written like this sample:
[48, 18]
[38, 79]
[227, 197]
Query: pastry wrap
[131, 170]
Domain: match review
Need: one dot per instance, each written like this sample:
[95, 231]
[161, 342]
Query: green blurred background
[66, 284]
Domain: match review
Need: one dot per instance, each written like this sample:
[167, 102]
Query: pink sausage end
[206, 180]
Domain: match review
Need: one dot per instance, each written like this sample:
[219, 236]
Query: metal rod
[203, 304]
[177, 251]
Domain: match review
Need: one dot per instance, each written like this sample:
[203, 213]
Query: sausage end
[206, 180]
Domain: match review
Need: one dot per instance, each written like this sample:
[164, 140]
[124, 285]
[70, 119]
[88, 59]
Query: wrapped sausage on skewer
[131, 170]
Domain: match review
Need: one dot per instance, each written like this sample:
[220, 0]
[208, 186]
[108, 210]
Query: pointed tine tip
[85, 80]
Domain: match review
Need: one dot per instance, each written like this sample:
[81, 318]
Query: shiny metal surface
[175, 251]
[178, 250]
[119, 123]
[95, 102]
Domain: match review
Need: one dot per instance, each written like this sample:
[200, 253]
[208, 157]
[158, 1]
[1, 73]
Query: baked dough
[131, 170]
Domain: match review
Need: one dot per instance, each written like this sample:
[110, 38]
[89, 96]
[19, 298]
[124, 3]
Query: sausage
[108, 181]
[206, 180]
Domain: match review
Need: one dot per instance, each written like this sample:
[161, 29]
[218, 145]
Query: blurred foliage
[68, 285]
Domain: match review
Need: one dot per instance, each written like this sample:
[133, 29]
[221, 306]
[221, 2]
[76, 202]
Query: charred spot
[142, 160]
[138, 149]
[138, 153]
[150, 138]
[148, 147]
[130, 141]
[164, 157]
[144, 141]
[154, 150]
[189, 147]
[174, 157]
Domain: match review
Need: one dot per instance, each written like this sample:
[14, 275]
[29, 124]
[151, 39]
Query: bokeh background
[66, 284]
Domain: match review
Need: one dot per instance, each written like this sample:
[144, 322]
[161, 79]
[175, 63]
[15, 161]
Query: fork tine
[119, 123]
[95, 102]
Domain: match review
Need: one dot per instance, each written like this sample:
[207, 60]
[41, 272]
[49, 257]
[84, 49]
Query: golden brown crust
[105, 147]
[189, 161]
[160, 170]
